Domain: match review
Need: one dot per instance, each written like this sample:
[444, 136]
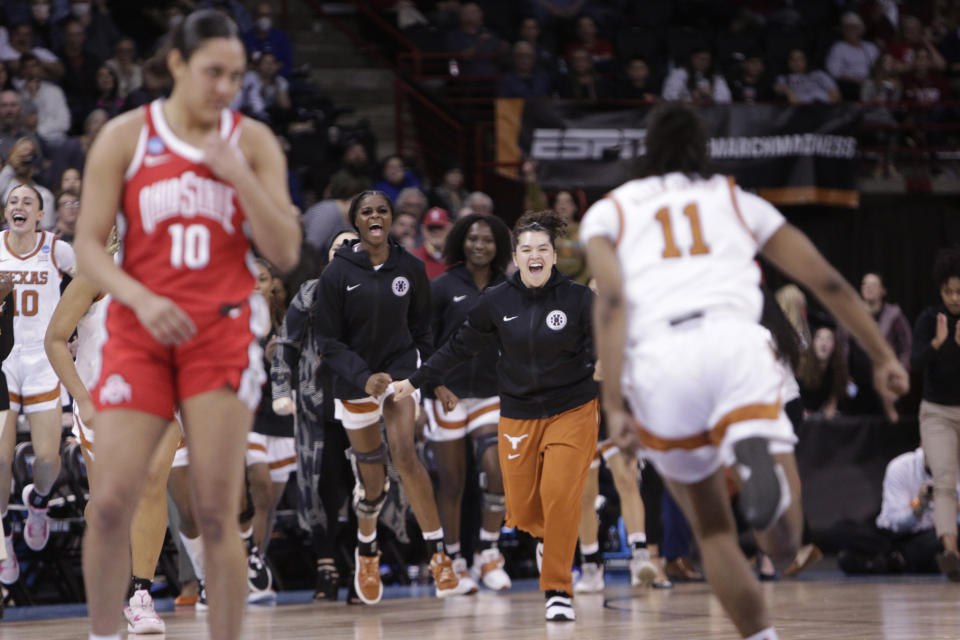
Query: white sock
[637, 537]
[452, 549]
[194, 549]
[767, 634]
[246, 535]
[113, 636]
[362, 537]
[489, 536]
[433, 535]
[587, 549]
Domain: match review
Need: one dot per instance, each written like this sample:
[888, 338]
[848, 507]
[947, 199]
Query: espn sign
[587, 144]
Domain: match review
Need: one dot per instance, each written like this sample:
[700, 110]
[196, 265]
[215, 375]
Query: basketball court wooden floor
[815, 606]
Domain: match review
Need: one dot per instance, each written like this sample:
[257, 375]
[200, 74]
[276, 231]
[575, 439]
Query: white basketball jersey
[91, 334]
[36, 278]
[685, 245]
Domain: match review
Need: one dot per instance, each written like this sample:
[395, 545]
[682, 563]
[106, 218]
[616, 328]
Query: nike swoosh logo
[352, 287]
[511, 456]
[152, 161]
[508, 319]
[458, 298]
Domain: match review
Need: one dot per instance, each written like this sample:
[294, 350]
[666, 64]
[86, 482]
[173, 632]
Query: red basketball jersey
[184, 235]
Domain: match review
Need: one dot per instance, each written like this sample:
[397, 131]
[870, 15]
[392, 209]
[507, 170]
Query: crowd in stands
[698, 52]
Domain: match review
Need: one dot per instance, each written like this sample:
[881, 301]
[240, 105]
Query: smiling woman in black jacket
[374, 298]
[477, 251]
[540, 320]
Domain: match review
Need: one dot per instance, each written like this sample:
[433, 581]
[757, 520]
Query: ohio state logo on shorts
[400, 286]
[115, 390]
[556, 320]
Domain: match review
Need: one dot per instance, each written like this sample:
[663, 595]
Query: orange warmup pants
[545, 464]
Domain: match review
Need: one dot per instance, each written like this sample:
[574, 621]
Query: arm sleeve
[327, 315]
[419, 315]
[922, 352]
[474, 335]
[760, 217]
[899, 490]
[602, 219]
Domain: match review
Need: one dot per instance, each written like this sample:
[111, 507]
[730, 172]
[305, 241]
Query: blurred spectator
[534, 199]
[582, 81]
[822, 375]
[543, 58]
[404, 230]
[70, 180]
[881, 93]
[71, 153]
[52, 109]
[356, 163]
[266, 37]
[525, 80]
[42, 23]
[446, 14]
[80, 80]
[22, 164]
[154, 86]
[904, 539]
[264, 92]
[793, 302]
[450, 194]
[481, 203]
[936, 353]
[124, 64]
[571, 254]
[234, 8]
[21, 42]
[850, 60]
[915, 38]
[923, 83]
[434, 228]
[68, 209]
[412, 200]
[99, 33]
[697, 81]
[6, 80]
[600, 50]
[803, 87]
[751, 83]
[108, 91]
[323, 219]
[637, 83]
[11, 125]
[896, 329]
[950, 49]
[470, 38]
[394, 177]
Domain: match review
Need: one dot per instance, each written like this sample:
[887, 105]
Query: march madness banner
[788, 154]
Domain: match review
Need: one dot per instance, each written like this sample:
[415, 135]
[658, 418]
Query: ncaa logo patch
[155, 145]
[400, 286]
[115, 390]
[556, 320]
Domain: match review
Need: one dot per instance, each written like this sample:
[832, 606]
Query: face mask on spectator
[41, 12]
[80, 9]
[264, 24]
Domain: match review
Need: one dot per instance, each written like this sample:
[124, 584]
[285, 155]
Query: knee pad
[361, 506]
[765, 492]
[480, 445]
[494, 502]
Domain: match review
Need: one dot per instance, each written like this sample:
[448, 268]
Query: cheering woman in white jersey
[36, 261]
[84, 309]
